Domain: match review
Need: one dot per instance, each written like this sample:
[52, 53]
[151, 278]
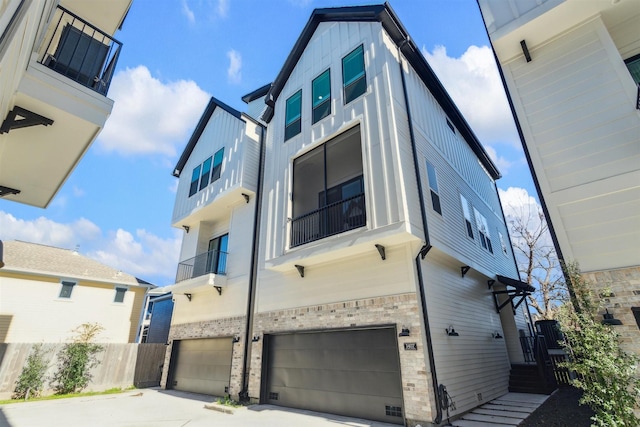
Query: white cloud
[144, 255]
[518, 203]
[47, 232]
[77, 191]
[173, 188]
[501, 162]
[188, 12]
[234, 73]
[150, 116]
[473, 82]
[223, 8]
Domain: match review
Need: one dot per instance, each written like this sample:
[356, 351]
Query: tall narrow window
[433, 186]
[353, 76]
[633, 65]
[483, 231]
[195, 177]
[217, 164]
[467, 216]
[217, 255]
[120, 292]
[321, 96]
[293, 115]
[206, 169]
[66, 289]
[502, 243]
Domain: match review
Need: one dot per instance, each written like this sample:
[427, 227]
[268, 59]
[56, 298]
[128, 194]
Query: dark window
[321, 96]
[195, 177]
[67, 288]
[293, 115]
[120, 294]
[433, 186]
[206, 168]
[467, 215]
[217, 255]
[353, 76]
[217, 164]
[636, 314]
[633, 65]
[328, 189]
[483, 231]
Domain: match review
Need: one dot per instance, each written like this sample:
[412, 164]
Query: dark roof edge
[518, 284]
[197, 132]
[257, 94]
[386, 16]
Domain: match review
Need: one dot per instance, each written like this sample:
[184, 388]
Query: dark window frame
[195, 179]
[205, 173]
[216, 169]
[432, 177]
[636, 314]
[66, 289]
[628, 62]
[357, 85]
[466, 214]
[321, 109]
[294, 126]
[118, 298]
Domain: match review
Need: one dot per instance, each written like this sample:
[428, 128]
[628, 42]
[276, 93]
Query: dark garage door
[202, 365]
[355, 373]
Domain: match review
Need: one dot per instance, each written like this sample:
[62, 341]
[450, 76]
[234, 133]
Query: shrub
[32, 377]
[76, 359]
[605, 373]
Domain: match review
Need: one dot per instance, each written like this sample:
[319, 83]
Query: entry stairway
[507, 410]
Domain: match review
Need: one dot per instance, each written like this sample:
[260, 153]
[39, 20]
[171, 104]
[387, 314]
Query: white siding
[473, 362]
[239, 166]
[583, 136]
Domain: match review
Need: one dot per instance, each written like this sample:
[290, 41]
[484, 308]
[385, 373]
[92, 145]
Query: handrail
[328, 220]
[80, 51]
[211, 262]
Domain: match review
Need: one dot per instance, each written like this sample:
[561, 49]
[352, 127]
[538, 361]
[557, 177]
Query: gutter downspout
[248, 332]
[427, 246]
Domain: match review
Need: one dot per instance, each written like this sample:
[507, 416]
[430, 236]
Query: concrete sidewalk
[161, 408]
[506, 411]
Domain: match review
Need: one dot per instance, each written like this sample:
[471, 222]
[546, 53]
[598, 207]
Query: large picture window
[321, 96]
[293, 116]
[328, 189]
[353, 76]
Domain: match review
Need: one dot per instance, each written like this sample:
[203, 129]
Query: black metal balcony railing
[332, 219]
[80, 51]
[209, 262]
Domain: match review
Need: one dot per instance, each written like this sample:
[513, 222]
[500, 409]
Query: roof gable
[202, 124]
[392, 25]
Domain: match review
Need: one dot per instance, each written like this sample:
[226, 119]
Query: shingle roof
[48, 260]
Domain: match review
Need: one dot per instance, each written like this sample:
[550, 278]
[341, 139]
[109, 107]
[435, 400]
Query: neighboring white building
[57, 58]
[571, 69]
[373, 279]
[47, 292]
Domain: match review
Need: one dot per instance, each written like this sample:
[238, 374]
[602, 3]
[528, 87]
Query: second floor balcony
[211, 262]
[80, 51]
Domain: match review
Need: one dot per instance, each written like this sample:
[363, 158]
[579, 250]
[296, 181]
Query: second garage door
[202, 365]
[354, 373]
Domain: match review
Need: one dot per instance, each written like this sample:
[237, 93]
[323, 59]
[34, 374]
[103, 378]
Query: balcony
[80, 51]
[334, 218]
[211, 262]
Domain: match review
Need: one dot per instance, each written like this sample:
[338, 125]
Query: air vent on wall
[393, 411]
[273, 396]
[226, 389]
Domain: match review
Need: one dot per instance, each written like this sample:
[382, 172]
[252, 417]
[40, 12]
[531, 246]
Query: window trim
[432, 175]
[466, 214]
[503, 244]
[628, 61]
[66, 282]
[356, 80]
[296, 122]
[195, 179]
[115, 297]
[216, 167]
[316, 107]
[205, 173]
[483, 230]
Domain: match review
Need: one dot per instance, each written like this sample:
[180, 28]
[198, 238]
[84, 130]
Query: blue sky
[117, 205]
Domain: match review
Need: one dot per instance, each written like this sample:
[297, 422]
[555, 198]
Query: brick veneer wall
[401, 310]
[227, 327]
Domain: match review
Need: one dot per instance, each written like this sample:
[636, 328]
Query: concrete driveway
[161, 408]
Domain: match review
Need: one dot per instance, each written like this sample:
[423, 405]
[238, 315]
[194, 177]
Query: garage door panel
[353, 373]
[203, 365]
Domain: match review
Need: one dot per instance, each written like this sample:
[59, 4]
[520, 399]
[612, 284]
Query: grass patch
[115, 390]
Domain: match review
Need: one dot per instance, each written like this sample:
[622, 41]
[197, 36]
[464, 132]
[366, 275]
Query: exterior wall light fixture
[405, 332]
[610, 320]
[496, 335]
[186, 228]
[451, 332]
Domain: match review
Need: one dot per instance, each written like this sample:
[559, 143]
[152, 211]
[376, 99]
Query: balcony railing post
[211, 262]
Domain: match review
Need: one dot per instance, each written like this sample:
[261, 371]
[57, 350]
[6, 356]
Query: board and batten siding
[239, 166]
[459, 172]
[385, 166]
[474, 362]
[583, 135]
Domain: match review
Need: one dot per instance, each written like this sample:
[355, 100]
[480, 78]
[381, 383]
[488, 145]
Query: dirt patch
[561, 410]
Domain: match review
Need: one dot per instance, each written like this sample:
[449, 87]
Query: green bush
[32, 377]
[76, 359]
[605, 373]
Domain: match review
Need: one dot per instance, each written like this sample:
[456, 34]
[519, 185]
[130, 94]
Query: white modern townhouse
[57, 58]
[571, 70]
[344, 249]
